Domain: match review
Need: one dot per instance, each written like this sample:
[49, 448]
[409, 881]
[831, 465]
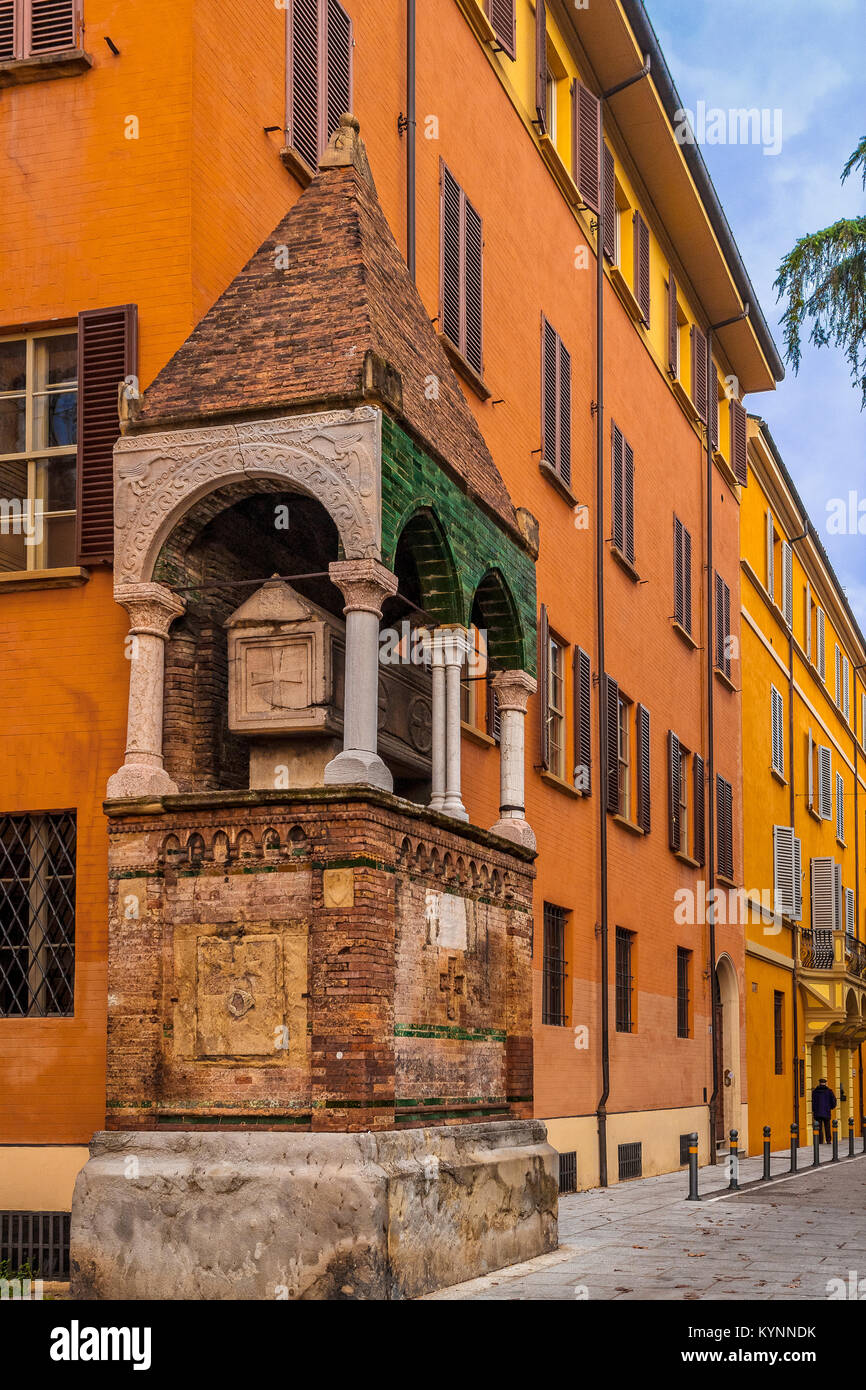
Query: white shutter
[808, 620]
[846, 687]
[810, 771]
[778, 738]
[838, 677]
[840, 807]
[770, 576]
[823, 911]
[863, 718]
[825, 783]
[788, 583]
[850, 910]
[837, 896]
[822, 656]
[798, 881]
[783, 870]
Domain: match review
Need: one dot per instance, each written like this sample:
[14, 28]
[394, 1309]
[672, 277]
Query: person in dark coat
[823, 1104]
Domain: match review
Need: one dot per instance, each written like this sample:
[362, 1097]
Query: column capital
[513, 689]
[152, 608]
[365, 584]
[451, 645]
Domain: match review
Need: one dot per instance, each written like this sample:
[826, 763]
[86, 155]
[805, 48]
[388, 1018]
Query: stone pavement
[785, 1239]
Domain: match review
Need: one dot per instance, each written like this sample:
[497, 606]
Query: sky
[804, 58]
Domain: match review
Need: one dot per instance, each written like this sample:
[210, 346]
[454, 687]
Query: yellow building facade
[804, 800]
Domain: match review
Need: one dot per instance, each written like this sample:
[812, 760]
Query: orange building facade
[175, 141]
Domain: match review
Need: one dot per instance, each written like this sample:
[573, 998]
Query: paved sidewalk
[784, 1239]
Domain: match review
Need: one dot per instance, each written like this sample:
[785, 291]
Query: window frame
[684, 992]
[554, 963]
[556, 713]
[624, 759]
[39, 909]
[624, 978]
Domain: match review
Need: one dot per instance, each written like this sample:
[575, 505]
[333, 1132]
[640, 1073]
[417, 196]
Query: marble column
[152, 609]
[365, 585]
[455, 649]
[513, 689]
[439, 722]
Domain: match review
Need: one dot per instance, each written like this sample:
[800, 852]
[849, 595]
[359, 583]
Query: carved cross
[276, 683]
[451, 983]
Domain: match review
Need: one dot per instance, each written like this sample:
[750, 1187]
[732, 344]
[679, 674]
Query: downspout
[711, 762]
[410, 137]
[795, 943]
[601, 1109]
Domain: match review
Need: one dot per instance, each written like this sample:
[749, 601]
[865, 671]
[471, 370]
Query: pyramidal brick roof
[326, 313]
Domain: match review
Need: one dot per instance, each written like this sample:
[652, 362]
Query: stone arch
[334, 457]
[424, 564]
[494, 609]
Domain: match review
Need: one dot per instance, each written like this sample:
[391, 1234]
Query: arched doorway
[726, 1040]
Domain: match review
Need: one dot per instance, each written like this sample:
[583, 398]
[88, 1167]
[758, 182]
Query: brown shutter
[564, 382]
[473, 288]
[612, 703]
[9, 36]
[549, 405]
[608, 199]
[641, 266]
[617, 499]
[628, 491]
[305, 79]
[726, 617]
[338, 75]
[52, 25]
[699, 850]
[643, 769]
[107, 352]
[713, 405]
[674, 789]
[724, 809]
[673, 328]
[541, 65]
[544, 685]
[679, 577]
[452, 257]
[699, 372]
[687, 580]
[583, 714]
[503, 21]
[739, 457]
[720, 634]
[494, 714]
[587, 134]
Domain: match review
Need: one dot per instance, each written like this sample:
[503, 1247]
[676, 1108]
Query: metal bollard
[795, 1142]
[816, 1147]
[733, 1185]
[835, 1128]
[693, 1169]
[767, 1133]
[863, 1131]
[850, 1136]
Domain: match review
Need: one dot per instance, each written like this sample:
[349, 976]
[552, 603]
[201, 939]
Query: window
[723, 627]
[725, 837]
[838, 677]
[778, 1031]
[777, 714]
[628, 753]
[38, 450]
[29, 28]
[319, 74]
[787, 873]
[551, 106]
[503, 21]
[699, 372]
[462, 278]
[37, 915]
[554, 965]
[556, 707]
[479, 707]
[622, 495]
[642, 266]
[684, 968]
[687, 832]
[682, 576]
[623, 755]
[825, 783]
[840, 808]
[625, 1021]
[556, 402]
[673, 329]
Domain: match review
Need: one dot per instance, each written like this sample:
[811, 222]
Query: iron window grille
[555, 975]
[37, 915]
[38, 1239]
[568, 1172]
[683, 961]
[624, 981]
[630, 1161]
[778, 1031]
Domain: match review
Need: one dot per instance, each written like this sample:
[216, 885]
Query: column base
[454, 808]
[355, 767]
[140, 779]
[518, 831]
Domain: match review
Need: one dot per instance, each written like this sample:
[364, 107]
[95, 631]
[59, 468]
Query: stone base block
[355, 767]
[309, 1216]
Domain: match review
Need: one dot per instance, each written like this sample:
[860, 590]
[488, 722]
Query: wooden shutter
[723, 626]
[699, 372]
[679, 575]
[107, 352]
[788, 583]
[642, 266]
[783, 870]
[840, 807]
[541, 65]
[473, 290]
[699, 852]
[644, 798]
[798, 881]
[808, 619]
[739, 454]
[583, 715]
[850, 911]
[452, 256]
[10, 39]
[338, 73]
[503, 21]
[777, 731]
[822, 651]
[837, 896]
[838, 696]
[771, 577]
[687, 580]
[713, 407]
[628, 499]
[52, 25]
[305, 78]
[494, 714]
[846, 687]
[549, 385]
[608, 199]
[825, 783]
[586, 135]
[617, 494]
[544, 686]
[724, 814]
[673, 328]
[810, 771]
[674, 791]
[612, 706]
[822, 884]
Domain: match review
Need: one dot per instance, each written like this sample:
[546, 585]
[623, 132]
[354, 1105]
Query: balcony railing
[818, 951]
[855, 957]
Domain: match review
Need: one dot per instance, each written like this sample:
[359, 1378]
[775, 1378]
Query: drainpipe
[601, 1109]
[410, 137]
[794, 931]
[711, 765]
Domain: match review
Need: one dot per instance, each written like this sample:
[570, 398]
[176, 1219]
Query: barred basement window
[39, 1239]
[630, 1158]
[568, 1172]
[684, 959]
[37, 915]
[553, 1009]
[624, 981]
